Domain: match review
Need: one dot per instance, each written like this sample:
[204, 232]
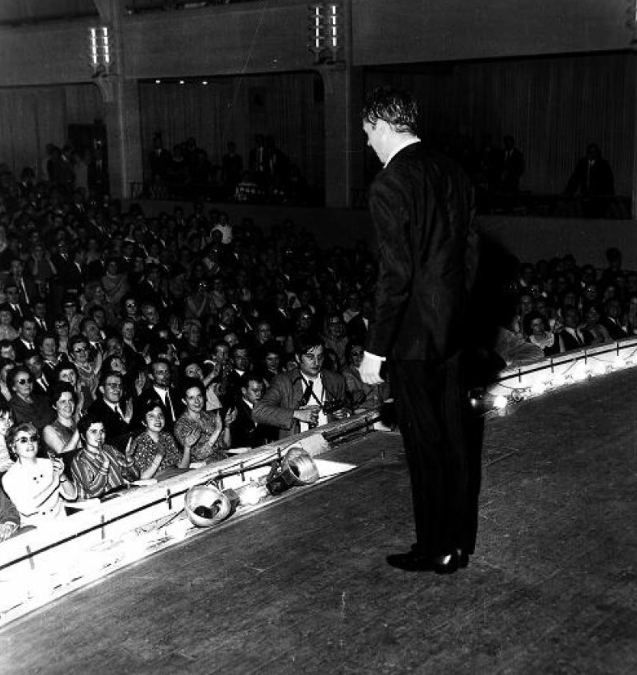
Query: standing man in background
[422, 208]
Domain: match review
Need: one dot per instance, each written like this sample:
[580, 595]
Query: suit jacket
[284, 395]
[568, 342]
[356, 328]
[117, 430]
[422, 209]
[246, 433]
[175, 398]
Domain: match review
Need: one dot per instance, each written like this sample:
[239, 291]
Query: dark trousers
[442, 441]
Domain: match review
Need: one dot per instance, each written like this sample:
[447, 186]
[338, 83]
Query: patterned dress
[145, 449]
[202, 449]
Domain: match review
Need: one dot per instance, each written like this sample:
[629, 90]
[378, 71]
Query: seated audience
[571, 336]
[539, 335]
[305, 397]
[25, 405]
[37, 486]
[9, 517]
[115, 413]
[245, 431]
[594, 332]
[61, 437]
[207, 432]
[362, 396]
[160, 388]
[99, 467]
[155, 450]
[612, 319]
[6, 422]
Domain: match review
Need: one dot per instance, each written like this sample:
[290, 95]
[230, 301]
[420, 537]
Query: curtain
[31, 117]
[237, 109]
[553, 106]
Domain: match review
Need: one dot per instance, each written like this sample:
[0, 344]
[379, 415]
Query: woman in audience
[5, 366]
[61, 437]
[115, 284]
[191, 368]
[210, 430]
[594, 332]
[6, 422]
[9, 517]
[134, 357]
[539, 335]
[62, 333]
[363, 396]
[37, 486]
[336, 340]
[25, 405]
[155, 450]
[199, 304]
[98, 467]
[87, 371]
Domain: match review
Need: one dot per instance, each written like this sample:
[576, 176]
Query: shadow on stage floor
[302, 586]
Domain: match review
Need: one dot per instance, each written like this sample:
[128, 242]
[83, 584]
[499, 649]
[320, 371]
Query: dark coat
[118, 431]
[422, 206]
[246, 433]
[284, 395]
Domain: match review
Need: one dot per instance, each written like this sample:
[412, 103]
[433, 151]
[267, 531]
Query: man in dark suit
[593, 181]
[422, 208]
[244, 431]
[160, 388]
[110, 409]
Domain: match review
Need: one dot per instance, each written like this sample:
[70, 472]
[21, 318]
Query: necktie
[307, 394]
[169, 406]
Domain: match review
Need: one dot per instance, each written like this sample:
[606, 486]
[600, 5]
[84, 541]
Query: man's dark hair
[304, 342]
[105, 374]
[398, 108]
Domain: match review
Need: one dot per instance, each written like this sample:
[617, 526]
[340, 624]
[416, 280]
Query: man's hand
[308, 415]
[370, 370]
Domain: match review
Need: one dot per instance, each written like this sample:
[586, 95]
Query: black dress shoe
[463, 558]
[414, 562]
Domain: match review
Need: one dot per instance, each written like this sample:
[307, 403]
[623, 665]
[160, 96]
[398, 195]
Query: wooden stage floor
[302, 586]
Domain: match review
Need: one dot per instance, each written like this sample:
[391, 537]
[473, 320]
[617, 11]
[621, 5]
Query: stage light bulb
[538, 388]
[251, 494]
[500, 402]
[559, 380]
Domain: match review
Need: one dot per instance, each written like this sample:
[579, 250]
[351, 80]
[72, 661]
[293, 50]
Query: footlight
[296, 468]
[206, 505]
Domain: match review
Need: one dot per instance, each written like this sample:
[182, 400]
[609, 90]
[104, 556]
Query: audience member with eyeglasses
[37, 486]
[25, 405]
[87, 370]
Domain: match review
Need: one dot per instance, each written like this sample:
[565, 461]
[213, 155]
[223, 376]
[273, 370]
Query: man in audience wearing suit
[25, 341]
[244, 431]
[303, 398]
[33, 361]
[111, 410]
[160, 388]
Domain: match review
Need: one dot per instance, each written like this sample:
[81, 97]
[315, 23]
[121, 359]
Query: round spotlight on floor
[296, 468]
[206, 505]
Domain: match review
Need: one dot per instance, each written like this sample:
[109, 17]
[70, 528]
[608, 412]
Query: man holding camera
[305, 397]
